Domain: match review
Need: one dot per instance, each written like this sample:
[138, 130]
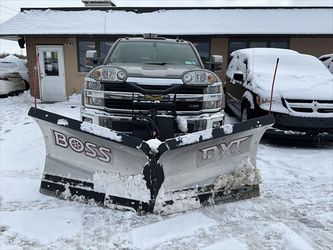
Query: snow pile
[178, 227]
[299, 76]
[62, 122]
[227, 128]
[154, 144]
[194, 137]
[100, 131]
[244, 174]
[181, 201]
[182, 124]
[131, 187]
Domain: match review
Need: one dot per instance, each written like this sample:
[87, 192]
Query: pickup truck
[155, 82]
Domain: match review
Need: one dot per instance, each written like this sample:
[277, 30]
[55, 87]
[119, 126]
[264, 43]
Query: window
[203, 47]
[51, 67]
[83, 47]
[258, 44]
[101, 46]
[238, 43]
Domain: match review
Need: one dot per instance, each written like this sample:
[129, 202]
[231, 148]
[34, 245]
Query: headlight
[213, 89]
[108, 73]
[261, 100]
[212, 104]
[95, 101]
[93, 85]
[204, 77]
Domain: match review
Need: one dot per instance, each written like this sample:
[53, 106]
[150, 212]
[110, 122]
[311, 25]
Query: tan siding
[74, 79]
[219, 46]
[313, 46]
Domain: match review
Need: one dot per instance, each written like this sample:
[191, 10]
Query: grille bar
[163, 106]
[118, 87]
[310, 106]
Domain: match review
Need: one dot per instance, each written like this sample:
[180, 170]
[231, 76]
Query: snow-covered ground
[294, 211]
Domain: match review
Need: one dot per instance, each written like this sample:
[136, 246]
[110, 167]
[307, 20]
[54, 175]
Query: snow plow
[85, 161]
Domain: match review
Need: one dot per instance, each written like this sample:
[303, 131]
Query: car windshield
[153, 53]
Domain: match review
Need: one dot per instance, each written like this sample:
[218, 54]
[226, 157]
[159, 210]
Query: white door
[51, 73]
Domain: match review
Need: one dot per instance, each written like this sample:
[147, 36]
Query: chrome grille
[129, 104]
[310, 106]
[123, 88]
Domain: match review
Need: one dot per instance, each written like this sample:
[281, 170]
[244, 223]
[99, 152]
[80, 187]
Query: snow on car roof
[171, 22]
[249, 52]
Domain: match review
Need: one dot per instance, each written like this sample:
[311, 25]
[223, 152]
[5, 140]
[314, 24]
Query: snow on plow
[85, 161]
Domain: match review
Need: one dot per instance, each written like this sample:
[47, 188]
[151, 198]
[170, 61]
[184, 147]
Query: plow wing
[86, 161]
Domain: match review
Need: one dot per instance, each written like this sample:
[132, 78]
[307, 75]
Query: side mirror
[91, 54]
[216, 59]
[216, 62]
[238, 77]
[91, 57]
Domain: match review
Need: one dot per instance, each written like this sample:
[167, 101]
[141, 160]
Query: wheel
[246, 112]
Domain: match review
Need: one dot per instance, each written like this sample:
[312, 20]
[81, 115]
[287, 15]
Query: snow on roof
[171, 22]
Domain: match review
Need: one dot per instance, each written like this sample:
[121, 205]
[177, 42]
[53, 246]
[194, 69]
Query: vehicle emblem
[154, 97]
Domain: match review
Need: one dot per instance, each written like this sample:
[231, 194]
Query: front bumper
[122, 121]
[306, 128]
[6, 87]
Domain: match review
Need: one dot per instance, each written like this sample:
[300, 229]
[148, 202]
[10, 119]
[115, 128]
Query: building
[57, 39]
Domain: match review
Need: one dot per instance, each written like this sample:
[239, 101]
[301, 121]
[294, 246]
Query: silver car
[13, 76]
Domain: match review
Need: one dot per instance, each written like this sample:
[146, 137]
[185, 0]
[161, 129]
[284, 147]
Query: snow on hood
[298, 76]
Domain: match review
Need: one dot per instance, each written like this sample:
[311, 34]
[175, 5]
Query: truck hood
[167, 71]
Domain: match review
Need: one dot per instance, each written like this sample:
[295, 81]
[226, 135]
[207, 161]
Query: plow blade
[88, 162]
[211, 166]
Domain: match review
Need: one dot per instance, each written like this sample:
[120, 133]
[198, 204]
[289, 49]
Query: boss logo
[89, 149]
[217, 152]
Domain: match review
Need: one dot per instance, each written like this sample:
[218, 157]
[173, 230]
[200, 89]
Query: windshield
[154, 53]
